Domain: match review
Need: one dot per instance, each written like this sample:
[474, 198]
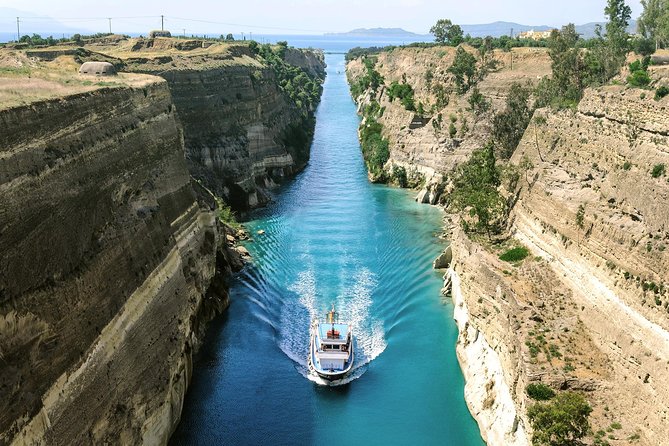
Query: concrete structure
[535, 35]
[159, 33]
[97, 69]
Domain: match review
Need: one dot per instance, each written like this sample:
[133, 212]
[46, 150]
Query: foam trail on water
[354, 303]
[295, 319]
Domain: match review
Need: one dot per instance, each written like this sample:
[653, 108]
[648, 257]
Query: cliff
[587, 309]
[248, 116]
[605, 160]
[112, 259]
[428, 151]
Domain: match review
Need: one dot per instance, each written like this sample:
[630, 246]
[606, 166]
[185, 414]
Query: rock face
[106, 263]
[602, 162]
[429, 151]
[588, 309]
[242, 133]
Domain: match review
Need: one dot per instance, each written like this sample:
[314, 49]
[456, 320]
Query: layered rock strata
[106, 264]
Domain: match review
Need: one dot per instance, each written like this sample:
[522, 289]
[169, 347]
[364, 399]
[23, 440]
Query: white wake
[354, 302]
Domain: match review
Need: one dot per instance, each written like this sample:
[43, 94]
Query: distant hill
[378, 32]
[495, 29]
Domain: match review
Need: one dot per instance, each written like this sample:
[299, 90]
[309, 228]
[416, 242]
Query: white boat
[331, 347]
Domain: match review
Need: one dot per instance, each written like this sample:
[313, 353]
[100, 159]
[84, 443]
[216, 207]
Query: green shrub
[639, 73]
[561, 422]
[539, 392]
[404, 93]
[399, 176]
[515, 254]
[658, 170]
[661, 92]
[452, 131]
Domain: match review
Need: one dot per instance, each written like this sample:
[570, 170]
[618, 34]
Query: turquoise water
[331, 237]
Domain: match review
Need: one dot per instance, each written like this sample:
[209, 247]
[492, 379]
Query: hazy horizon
[293, 17]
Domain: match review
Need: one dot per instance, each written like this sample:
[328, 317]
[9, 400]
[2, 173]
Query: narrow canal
[331, 237]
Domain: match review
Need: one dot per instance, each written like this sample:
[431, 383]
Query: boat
[331, 347]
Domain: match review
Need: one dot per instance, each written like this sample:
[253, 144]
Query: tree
[619, 14]
[561, 422]
[654, 21]
[230, 37]
[510, 124]
[464, 70]
[446, 33]
[478, 103]
[475, 190]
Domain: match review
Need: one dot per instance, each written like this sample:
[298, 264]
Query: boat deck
[341, 332]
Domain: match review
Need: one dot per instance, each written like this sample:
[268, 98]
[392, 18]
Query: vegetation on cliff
[561, 422]
[303, 89]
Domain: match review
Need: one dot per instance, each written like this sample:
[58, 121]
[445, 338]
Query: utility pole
[251, 33]
[18, 31]
[110, 31]
[162, 23]
[511, 33]
[184, 32]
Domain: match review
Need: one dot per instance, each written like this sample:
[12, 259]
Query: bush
[561, 422]
[540, 392]
[639, 73]
[658, 170]
[515, 254]
[399, 176]
[661, 92]
[404, 93]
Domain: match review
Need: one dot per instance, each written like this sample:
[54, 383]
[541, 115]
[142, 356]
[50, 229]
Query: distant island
[494, 29]
[377, 32]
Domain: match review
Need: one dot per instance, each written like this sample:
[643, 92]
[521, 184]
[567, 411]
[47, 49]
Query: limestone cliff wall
[242, 132]
[105, 263]
[429, 150]
[600, 159]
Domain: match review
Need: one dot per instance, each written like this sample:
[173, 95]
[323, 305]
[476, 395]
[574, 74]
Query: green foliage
[639, 73]
[619, 15]
[654, 22]
[375, 148]
[475, 190]
[446, 33]
[561, 422]
[658, 170]
[478, 103]
[539, 392]
[372, 79]
[441, 94]
[452, 131]
[580, 216]
[515, 254]
[404, 93]
[399, 176]
[301, 87]
[575, 69]
[510, 124]
[661, 92]
[464, 70]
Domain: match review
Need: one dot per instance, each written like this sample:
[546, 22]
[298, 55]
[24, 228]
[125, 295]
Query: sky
[299, 16]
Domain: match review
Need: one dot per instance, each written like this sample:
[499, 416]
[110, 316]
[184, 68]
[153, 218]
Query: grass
[515, 254]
